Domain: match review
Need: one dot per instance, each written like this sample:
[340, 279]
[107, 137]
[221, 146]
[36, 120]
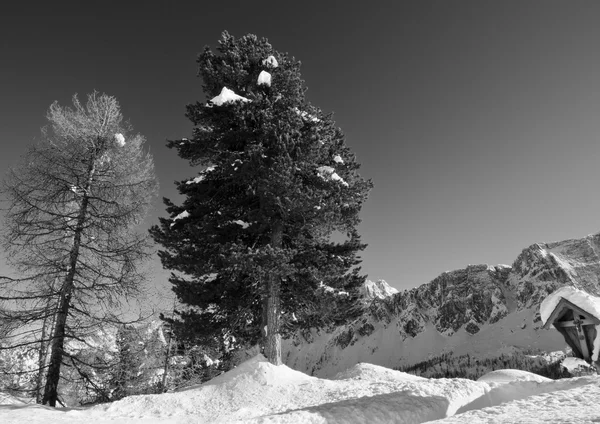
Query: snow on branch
[264, 78]
[329, 289]
[270, 62]
[227, 96]
[306, 116]
[326, 172]
[202, 175]
[119, 139]
[182, 215]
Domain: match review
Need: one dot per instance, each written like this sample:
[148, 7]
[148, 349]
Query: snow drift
[258, 392]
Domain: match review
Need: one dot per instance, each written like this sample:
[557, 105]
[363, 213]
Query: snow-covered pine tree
[252, 242]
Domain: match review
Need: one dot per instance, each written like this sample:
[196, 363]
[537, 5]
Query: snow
[325, 171]
[338, 159]
[241, 223]
[573, 364]
[182, 215]
[196, 180]
[119, 139]
[7, 399]
[377, 290]
[259, 392]
[329, 289]
[386, 346]
[270, 62]
[508, 376]
[572, 401]
[585, 301]
[202, 175]
[306, 116]
[227, 96]
[210, 277]
[264, 78]
[596, 344]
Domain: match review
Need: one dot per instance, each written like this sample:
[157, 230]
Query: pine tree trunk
[273, 312]
[58, 337]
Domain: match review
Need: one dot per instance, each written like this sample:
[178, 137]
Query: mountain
[111, 362]
[480, 310]
[376, 290]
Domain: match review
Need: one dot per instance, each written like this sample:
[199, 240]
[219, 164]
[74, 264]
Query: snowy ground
[257, 392]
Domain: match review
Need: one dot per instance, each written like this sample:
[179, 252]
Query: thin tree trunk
[273, 303]
[58, 340]
[168, 353]
[53, 375]
[43, 354]
[41, 364]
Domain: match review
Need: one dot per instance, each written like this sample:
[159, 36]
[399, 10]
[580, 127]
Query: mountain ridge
[479, 309]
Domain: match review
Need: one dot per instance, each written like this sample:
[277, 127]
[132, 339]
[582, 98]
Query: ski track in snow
[258, 392]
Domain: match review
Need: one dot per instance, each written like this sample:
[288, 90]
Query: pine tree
[252, 242]
[74, 204]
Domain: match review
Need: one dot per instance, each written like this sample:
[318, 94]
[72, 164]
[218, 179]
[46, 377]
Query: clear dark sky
[478, 121]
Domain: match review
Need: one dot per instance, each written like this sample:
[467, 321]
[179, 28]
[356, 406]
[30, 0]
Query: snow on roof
[587, 302]
[119, 139]
[338, 159]
[264, 78]
[270, 62]
[227, 96]
[241, 223]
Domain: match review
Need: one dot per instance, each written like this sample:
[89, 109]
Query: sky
[478, 121]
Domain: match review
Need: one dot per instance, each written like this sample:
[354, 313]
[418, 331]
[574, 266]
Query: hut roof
[579, 298]
[576, 315]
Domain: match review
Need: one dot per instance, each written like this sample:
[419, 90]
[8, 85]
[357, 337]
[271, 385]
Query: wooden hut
[576, 325]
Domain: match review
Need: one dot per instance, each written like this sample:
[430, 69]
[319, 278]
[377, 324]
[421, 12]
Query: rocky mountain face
[480, 310]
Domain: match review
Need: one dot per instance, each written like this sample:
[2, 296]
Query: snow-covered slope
[259, 392]
[480, 310]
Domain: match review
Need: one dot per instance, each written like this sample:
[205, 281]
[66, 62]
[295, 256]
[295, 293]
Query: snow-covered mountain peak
[377, 290]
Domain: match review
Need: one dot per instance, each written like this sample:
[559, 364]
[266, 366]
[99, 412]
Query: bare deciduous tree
[70, 229]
